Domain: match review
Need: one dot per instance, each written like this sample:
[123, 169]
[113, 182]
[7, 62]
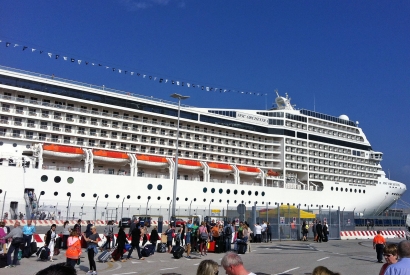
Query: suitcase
[116, 255]
[27, 252]
[33, 248]
[211, 246]
[56, 251]
[162, 248]
[148, 250]
[127, 246]
[43, 253]
[177, 251]
[3, 260]
[104, 256]
[220, 246]
[242, 248]
[57, 243]
[83, 243]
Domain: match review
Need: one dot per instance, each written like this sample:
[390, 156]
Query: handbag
[204, 236]
[17, 240]
[78, 261]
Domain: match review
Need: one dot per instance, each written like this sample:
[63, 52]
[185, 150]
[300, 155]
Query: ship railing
[110, 172]
[222, 181]
[63, 168]
[275, 184]
[250, 183]
[157, 176]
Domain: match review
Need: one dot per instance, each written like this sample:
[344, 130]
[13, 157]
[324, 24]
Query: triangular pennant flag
[125, 72]
[144, 76]
[7, 44]
[207, 89]
[113, 69]
[166, 80]
[182, 84]
[79, 62]
[32, 50]
[188, 85]
[173, 82]
[193, 85]
[202, 87]
[178, 83]
[86, 62]
[92, 64]
[150, 77]
[24, 48]
[57, 56]
[155, 78]
[0, 41]
[138, 74]
[132, 73]
[41, 52]
[119, 71]
[50, 54]
[106, 67]
[16, 45]
[160, 80]
[72, 59]
[65, 57]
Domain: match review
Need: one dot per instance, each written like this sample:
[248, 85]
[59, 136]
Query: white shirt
[264, 227]
[258, 229]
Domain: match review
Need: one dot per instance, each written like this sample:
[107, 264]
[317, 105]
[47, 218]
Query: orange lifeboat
[272, 173]
[110, 156]
[220, 167]
[189, 164]
[144, 160]
[247, 170]
[62, 151]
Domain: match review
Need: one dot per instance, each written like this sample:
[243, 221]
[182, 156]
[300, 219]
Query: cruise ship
[82, 146]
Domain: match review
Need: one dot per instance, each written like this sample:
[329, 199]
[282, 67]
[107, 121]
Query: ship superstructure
[61, 136]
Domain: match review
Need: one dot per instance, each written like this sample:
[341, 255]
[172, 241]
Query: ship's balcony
[63, 168]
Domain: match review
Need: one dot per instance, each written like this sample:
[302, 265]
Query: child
[188, 242]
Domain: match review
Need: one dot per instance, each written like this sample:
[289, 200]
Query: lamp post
[174, 194]
[4, 199]
[190, 206]
[169, 212]
[146, 209]
[39, 197]
[209, 209]
[68, 204]
[122, 205]
[95, 207]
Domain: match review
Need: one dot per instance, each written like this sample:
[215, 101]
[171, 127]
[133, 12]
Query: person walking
[314, 231]
[121, 241]
[269, 232]
[50, 241]
[92, 243]
[66, 234]
[153, 238]
[228, 232]
[203, 238]
[135, 242]
[304, 231]
[319, 232]
[108, 234]
[325, 230]
[169, 233]
[73, 252]
[17, 238]
[378, 243]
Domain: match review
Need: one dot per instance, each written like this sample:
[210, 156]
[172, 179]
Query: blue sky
[337, 57]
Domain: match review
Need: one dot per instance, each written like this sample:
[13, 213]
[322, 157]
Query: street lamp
[95, 208]
[4, 199]
[122, 205]
[68, 208]
[146, 210]
[174, 194]
[209, 209]
[38, 201]
[190, 206]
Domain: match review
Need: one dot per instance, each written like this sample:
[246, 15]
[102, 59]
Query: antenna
[314, 103]
[266, 101]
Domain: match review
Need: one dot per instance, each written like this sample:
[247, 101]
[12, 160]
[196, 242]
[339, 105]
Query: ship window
[159, 198]
[205, 189]
[350, 190]
[263, 193]
[249, 193]
[242, 192]
[213, 190]
[159, 187]
[364, 191]
[149, 186]
[256, 193]
[228, 191]
[44, 178]
[331, 188]
[14, 144]
[337, 188]
[341, 189]
[70, 180]
[355, 190]
[1, 143]
[360, 191]
[220, 190]
[57, 179]
[235, 191]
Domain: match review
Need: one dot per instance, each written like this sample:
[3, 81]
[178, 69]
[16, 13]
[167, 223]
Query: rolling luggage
[116, 255]
[104, 256]
[33, 248]
[3, 260]
[162, 248]
[211, 246]
[27, 252]
[177, 251]
[43, 253]
[148, 250]
[57, 243]
[242, 248]
[220, 246]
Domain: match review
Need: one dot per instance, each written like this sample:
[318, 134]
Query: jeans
[65, 237]
[13, 248]
[137, 246]
[107, 244]
[228, 244]
[27, 240]
[71, 262]
[91, 259]
[379, 251]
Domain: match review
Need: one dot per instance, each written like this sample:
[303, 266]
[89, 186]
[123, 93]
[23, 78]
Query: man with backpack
[228, 231]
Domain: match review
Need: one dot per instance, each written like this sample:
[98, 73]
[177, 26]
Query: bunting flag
[155, 78]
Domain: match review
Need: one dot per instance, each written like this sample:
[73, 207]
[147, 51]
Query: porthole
[346, 189]
[220, 190]
[14, 144]
[235, 192]
[28, 146]
[149, 186]
[228, 191]
[234, 201]
[70, 180]
[242, 192]
[355, 190]
[44, 178]
[249, 202]
[256, 193]
[351, 190]
[159, 198]
[341, 189]
[364, 191]
[249, 192]
[331, 188]
[337, 188]
[263, 193]
[159, 187]
[360, 190]
[212, 190]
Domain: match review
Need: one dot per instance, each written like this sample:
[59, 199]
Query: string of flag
[133, 73]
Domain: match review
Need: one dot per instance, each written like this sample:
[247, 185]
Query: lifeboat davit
[247, 170]
[189, 164]
[144, 160]
[62, 151]
[220, 167]
[272, 173]
[110, 156]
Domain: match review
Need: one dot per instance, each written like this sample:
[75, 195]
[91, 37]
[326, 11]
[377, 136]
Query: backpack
[228, 230]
